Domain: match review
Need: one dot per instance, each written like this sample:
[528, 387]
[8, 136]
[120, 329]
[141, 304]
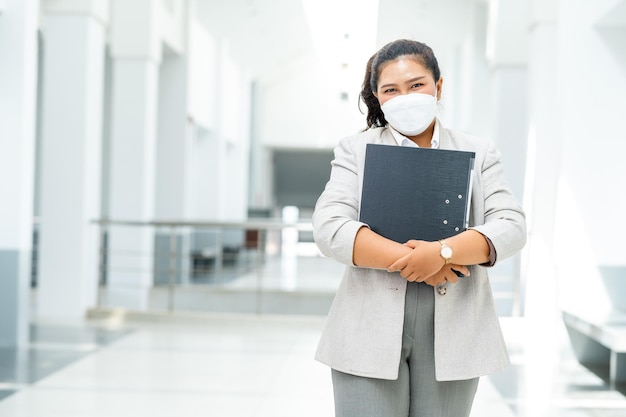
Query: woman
[397, 346]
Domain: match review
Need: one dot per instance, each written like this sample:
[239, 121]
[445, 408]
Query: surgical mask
[410, 114]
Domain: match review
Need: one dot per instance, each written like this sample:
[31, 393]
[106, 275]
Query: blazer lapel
[386, 138]
[445, 141]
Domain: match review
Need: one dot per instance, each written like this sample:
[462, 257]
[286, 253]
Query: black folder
[416, 193]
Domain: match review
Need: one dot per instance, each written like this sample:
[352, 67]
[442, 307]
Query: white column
[539, 283]
[173, 141]
[544, 152]
[473, 90]
[136, 54]
[507, 52]
[590, 198]
[507, 55]
[173, 150]
[74, 45]
[18, 54]
[234, 138]
[204, 110]
[173, 161]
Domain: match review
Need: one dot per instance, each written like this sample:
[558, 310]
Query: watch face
[446, 252]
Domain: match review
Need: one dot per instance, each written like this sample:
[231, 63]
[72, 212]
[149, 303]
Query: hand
[446, 274]
[421, 263]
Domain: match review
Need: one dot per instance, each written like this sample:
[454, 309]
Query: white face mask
[410, 114]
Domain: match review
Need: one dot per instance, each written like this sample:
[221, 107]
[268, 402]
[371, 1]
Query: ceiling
[307, 56]
[263, 35]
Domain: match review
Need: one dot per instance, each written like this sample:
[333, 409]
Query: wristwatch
[445, 252]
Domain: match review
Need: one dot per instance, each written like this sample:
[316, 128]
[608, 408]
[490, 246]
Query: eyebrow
[407, 82]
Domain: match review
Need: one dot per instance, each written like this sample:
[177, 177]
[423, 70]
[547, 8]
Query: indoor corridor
[118, 364]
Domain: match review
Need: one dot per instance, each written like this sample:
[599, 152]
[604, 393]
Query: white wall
[591, 102]
[592, 99]
[288, 104]
[18, 86]
[203, 70]
[234, 137]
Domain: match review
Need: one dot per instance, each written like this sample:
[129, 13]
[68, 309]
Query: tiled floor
[238, 365]
[219, 366]
[251, 366]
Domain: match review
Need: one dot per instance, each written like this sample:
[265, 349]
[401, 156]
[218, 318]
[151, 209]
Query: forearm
[371, 250]
[469, 248]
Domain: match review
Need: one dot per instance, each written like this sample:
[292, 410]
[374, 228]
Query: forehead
[402, 67]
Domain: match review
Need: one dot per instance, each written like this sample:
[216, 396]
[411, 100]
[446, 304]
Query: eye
[417, 85]
[389, 90]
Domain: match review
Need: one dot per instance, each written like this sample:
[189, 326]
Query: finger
[420, 279]
[398, 265]
[395, 267]
[414, 277]
[408, 276]
[452, 278]
[462, 269]
[411, 244]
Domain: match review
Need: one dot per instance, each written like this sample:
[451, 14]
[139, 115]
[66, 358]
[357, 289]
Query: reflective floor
[236, 366]
[247, 365]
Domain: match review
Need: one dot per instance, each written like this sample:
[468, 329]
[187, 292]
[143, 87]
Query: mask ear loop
[439, 110]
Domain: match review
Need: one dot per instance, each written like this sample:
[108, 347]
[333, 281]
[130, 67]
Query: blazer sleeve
[504, 219]
[335, 218]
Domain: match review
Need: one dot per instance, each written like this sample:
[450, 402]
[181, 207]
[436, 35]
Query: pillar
[136, 55]
[173, 141]
[18, 54]
[544, 155]
[592, 131]
[507, 55]
[543, 166]
[233, 129]
[73, 68]
[173, 160]
[473, 87]
[507, 52]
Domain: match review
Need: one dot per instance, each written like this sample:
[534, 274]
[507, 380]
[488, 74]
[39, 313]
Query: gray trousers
[415, 393]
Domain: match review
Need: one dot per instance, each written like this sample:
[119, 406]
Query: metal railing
[163, 260]
[198, 260]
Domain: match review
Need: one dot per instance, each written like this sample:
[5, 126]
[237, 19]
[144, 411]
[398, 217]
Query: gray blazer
[363, 332]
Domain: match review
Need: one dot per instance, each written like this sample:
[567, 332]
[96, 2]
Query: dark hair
[391, 52]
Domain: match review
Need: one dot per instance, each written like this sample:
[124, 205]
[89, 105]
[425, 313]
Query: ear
[439, 85]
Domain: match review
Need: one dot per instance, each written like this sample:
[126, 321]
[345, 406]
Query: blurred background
[163, 157]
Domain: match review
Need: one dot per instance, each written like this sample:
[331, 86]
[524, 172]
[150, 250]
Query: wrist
[445, 252]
